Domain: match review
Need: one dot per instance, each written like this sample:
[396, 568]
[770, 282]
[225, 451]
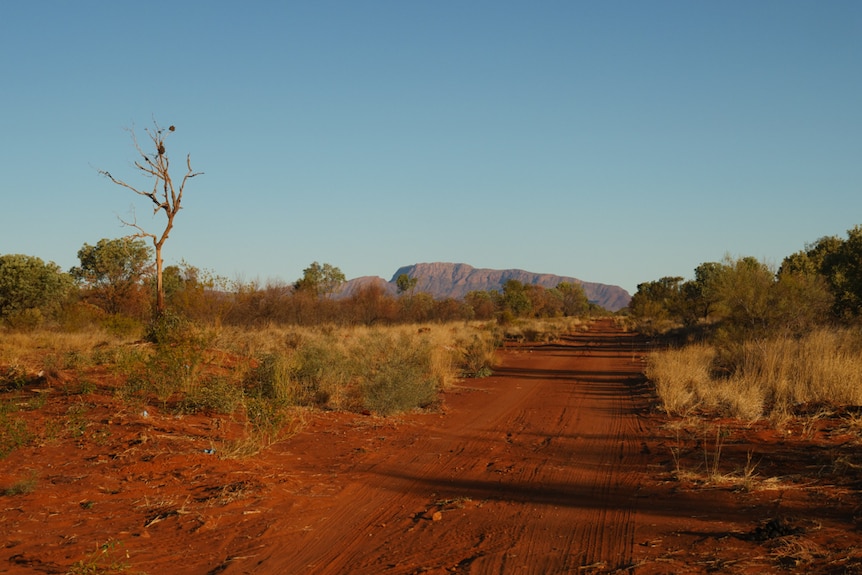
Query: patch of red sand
[559, 463]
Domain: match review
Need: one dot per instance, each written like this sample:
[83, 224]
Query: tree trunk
[160, 291]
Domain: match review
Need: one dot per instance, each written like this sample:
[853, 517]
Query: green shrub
[172, 328]
[214, 395]
[272, 380]
[397, 374]
[478, 356]
[156, 378]
[25, 320]
[169, 328]
[323, 371]
[267, 423]
[125, 359]
[121, 325]
[170, 369]
[265, 416]
[135, 390]
[174, 364]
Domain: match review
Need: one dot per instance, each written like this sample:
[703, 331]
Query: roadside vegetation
[758, 370]
[262, 378]
[261, 356]
[748, 341]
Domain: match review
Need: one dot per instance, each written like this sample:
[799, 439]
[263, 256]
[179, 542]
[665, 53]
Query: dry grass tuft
[796, 552]
[772, 378]
[262, 430]
[680, 375]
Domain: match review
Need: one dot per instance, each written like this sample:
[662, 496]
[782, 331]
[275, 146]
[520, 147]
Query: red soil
[559, 463]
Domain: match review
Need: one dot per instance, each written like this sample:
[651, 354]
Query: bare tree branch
[167, 199]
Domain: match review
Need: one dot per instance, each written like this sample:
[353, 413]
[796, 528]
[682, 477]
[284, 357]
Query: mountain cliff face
[448, 280]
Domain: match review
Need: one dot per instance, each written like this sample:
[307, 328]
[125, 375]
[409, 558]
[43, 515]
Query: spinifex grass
[772, 377]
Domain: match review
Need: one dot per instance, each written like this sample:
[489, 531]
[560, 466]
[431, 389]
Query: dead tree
[164, 195]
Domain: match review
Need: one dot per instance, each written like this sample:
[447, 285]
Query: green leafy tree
[482, 304]
[758, 304]
[32, 288]
[815, 258]
[843, 271]
[573, 299]
[543, 302]
[839, 264]
[113, 273]
[167, 197]
[195, 293]
[311, 301]
[319, 280]
[659, 300]
[701, 297]
[801, 301]
[745, 291]
[406, 284]
[515, 298]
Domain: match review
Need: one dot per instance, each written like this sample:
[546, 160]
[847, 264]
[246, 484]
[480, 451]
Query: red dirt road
[534, 470]
[559, 463]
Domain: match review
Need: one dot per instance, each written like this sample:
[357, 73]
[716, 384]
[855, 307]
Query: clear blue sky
[617, 142]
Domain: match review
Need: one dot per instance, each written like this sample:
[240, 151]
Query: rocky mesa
[455, 280]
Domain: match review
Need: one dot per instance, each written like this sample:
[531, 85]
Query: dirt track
[531, 471]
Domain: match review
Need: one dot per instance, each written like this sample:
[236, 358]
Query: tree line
[744, 298]
[115, 283]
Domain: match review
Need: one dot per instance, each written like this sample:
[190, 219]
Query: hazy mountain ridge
[455, 280]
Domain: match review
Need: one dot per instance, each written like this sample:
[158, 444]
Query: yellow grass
[680, 375]
[447, 341]
[773, 378]
[40, 351]
[545, 329]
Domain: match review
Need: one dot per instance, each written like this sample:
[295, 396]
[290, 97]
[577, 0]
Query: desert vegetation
[183, 340]
[744, 340]
[260, 379]
[259, 355]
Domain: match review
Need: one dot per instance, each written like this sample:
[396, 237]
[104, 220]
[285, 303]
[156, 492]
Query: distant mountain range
[448, 280]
